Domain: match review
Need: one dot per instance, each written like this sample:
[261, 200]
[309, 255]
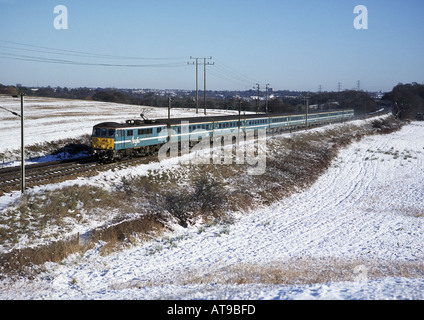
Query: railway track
[57, 171]
[44, 173]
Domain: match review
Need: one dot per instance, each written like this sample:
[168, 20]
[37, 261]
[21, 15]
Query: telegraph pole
[257, 102]
[169, 107]
[266, 100]
[205, 64]
[22, 140]
[22, 146]
[197, 80]
[307, 110]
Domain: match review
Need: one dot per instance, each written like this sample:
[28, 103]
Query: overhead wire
[81, 53]
[81, 63]
[222, 76]
[52, 52]
[224, 72]
[35, 53]
[231, 72]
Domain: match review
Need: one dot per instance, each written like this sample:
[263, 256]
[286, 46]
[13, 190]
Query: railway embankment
[49, 224]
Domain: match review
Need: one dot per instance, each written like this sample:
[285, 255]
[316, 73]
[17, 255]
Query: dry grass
[303, 271]
[22, 261]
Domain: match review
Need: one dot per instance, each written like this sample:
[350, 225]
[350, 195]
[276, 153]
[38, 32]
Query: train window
[145, 131]
[158, 130]
[130, 133]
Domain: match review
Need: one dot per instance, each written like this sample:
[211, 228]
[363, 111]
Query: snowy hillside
[362, 220]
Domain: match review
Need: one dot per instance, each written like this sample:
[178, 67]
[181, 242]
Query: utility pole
[22, 139]
[204, 63]
[307, 110]
[257, 102]
[358, 85]
[22, 146]
[197, 80]
[266, 99]
[239, 113]
[169, 107]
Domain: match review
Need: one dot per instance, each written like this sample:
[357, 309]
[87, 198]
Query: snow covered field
[368, 207]
[48, 119]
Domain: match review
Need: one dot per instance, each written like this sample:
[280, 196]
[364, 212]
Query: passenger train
[112, 141]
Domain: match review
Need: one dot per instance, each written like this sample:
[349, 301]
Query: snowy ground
[367, 207]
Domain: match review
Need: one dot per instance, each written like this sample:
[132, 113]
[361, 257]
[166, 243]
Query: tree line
[406, 100]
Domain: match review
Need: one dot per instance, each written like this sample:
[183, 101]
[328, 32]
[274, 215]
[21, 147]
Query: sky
[303, 45]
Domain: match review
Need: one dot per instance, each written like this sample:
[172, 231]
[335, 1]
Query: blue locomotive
[113, 141]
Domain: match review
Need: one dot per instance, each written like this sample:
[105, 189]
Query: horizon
[19, 85]
[290, 45]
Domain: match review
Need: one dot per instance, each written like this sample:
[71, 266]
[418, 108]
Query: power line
[234, 73]
[57, 51]
[83, 63]
[13, 50]
[220, 75]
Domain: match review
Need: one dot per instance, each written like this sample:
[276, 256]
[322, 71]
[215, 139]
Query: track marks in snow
[344, 214]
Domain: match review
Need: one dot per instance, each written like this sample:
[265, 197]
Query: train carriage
[111, 140]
